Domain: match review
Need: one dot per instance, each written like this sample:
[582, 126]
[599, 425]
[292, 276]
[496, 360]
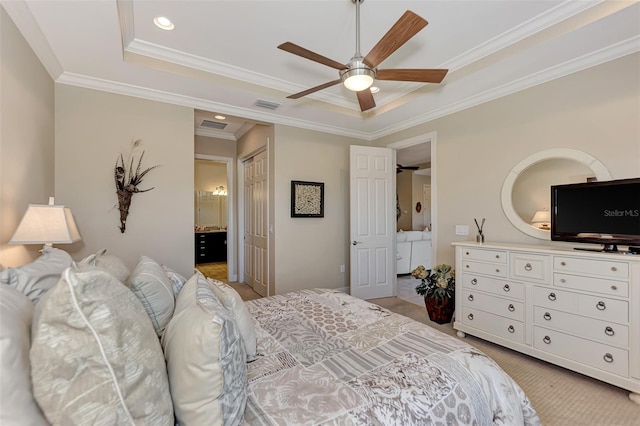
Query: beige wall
[214, 146]
[595, 111]
[26, 138]
[404, 191]
[417, 188]
[209, 175]
[309, 251]
[92, 129]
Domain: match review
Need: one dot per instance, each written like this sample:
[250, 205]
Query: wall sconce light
[46, 224]
[220, 191]
[542, 219]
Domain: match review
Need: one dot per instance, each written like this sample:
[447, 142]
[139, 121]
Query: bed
[325, 357]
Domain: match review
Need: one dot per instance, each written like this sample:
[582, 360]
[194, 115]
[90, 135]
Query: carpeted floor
[561, 397]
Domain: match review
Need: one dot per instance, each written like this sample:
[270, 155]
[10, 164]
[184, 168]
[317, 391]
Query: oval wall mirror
[526, 188]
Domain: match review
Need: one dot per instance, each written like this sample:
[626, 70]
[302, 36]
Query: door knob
[355, 243]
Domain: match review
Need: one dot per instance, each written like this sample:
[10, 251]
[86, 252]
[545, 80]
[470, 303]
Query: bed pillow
[18, 405]
[206, 359]
[233, 302]
[152, 287]
[36, 278]
[177, 280]
[96, 358]
[106, 262]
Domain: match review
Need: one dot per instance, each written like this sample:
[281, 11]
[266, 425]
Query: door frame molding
[431, 137]
[232, 270]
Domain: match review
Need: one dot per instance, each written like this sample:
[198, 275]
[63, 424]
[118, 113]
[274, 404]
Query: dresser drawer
[603, 308]
[595, 285]
[603, 268]
[555, 299]
[605, 332]
[492, 285]
[493, 269]
[594, 354]
[494, 324]
[496, 256]
[530, 267]
[497, 305]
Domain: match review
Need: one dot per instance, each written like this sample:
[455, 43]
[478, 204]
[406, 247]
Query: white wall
[92, 129]
[309, 251]
[595, 111]
[26, 138]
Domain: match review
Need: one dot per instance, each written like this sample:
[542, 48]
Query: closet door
[255, 223]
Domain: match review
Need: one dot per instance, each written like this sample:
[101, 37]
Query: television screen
[597, 212]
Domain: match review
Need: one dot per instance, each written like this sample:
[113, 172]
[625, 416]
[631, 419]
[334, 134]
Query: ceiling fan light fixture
[358, 78]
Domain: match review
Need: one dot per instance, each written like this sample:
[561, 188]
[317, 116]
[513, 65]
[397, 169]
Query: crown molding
[210, 133]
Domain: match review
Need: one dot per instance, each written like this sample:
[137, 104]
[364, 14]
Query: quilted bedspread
[327, 358]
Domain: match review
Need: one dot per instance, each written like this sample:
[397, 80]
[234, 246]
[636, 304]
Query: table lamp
[46, 224]
[542, 219]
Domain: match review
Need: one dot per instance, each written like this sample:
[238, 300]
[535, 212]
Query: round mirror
[526, 189]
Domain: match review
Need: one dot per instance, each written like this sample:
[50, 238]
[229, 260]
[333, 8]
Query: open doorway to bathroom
[415, 186]
[211, 218]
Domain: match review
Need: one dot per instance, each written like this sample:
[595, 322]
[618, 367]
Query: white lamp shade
[541, 216]
[46, 224]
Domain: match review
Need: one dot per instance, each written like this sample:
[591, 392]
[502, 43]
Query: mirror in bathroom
[210, 210]
[526, 188]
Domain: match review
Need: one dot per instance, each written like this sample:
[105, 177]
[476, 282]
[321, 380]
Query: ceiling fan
[400, 168]
[359, 73]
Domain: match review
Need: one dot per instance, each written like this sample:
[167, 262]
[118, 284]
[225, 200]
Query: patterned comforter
[331, 359]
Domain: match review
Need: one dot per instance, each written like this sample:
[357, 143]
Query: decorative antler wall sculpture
[127, 183]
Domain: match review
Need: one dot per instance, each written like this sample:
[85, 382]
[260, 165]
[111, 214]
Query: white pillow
[152, 287]
[36, 278]
[206, 360]
[17, 406]
[177, 280]
[95, 358]
[111, 264]
[233, 302]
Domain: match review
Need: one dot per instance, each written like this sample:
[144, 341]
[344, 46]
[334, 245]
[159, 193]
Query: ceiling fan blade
[418, 75]
[314, 89]
[365, 98]
[307, 54]
[406, 27]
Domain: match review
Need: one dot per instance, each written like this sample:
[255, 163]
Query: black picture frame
[307, 199]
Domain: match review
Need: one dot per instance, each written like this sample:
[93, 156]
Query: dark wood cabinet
[211, 247]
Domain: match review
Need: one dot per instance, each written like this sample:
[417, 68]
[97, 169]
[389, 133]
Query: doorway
[215, 230]
[420, 149]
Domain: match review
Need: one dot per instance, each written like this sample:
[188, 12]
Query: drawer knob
[528, 267]
[609, 331]
[498, 271]
[470, 297]
[563, 264]
[474, 281]
[511, 329]
[506, 288]
[547, 316]
[467, 253]
[562, 280]
[470, 316]
[614, 287]
[551, 296]
[547, 339]
[466, 266]
[608, 357]
[497, 256]
[511, 307]
[614, 269]
[601, 306]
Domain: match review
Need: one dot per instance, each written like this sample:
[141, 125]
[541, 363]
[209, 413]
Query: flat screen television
[606, 213]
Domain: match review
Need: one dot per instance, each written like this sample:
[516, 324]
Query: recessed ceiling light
[374, 89]
[220, 117]
[163, 23]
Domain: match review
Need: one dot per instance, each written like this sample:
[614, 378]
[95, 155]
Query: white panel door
[255, 223]
[372, 222]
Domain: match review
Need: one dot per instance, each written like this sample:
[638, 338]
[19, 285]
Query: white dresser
[573, 308]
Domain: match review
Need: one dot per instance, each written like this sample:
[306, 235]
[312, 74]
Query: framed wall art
[307, 199]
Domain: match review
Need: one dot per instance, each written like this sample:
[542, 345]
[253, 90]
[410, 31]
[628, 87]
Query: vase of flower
[438, 286]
